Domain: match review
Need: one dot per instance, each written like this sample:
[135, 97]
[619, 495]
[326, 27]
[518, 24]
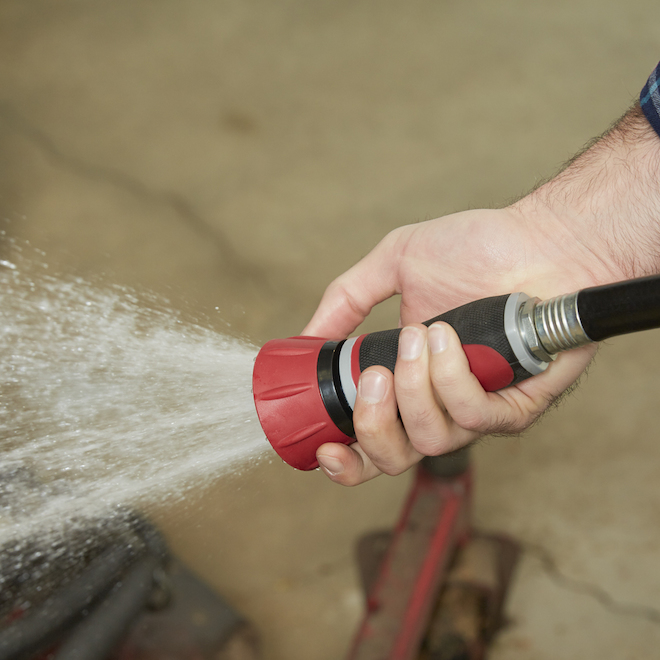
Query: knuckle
[409, 379]
[392, 469]
[430, 446]
[336, 286]
[393, 236]
[444, 377]
[392, 458]
[349, 480]
[426, 418]
[366, 427]
[395, 243]
[473, 420]
[341, 288]
[424, 427]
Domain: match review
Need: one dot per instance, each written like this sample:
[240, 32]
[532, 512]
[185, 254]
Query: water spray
[305, 387]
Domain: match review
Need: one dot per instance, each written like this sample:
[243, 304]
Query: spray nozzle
[289, 402]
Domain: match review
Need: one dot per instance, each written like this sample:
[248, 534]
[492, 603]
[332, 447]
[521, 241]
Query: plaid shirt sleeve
[649, 99]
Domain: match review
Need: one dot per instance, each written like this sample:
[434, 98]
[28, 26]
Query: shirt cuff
[649, 99]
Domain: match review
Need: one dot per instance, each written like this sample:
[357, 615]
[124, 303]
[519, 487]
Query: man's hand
[561, 238]
[436, 266]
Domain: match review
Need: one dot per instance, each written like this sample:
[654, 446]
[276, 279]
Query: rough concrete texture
[239, 155]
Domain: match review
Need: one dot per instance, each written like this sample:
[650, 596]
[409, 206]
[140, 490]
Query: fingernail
[330, 464]
[372, 387]
[411, 343]
[438, 338]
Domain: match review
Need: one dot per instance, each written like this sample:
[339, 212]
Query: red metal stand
[414, 571]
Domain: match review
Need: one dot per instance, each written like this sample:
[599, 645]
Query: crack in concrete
[597, 593]
[233, 263]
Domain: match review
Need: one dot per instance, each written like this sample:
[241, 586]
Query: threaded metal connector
[558, 324]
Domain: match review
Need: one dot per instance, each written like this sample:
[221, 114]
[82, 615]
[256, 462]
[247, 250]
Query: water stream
[109, 400]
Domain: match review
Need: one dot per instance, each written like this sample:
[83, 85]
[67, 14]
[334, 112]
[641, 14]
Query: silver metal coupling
[528, 333]
[520, 331]
[557, 323]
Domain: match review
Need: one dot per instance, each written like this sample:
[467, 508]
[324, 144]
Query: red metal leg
[435, 519]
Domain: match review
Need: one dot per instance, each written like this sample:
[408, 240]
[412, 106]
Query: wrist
[608, 198]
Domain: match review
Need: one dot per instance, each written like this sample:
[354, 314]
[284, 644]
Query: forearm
[608, 198]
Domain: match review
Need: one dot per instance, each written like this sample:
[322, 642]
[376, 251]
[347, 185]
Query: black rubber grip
[480, 322]
[621, 308]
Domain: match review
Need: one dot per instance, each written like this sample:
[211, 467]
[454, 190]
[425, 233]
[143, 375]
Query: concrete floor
[240, 155]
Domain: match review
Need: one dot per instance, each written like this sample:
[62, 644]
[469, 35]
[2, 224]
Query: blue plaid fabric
[649, 99]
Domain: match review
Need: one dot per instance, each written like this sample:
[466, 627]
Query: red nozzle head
[286, 392]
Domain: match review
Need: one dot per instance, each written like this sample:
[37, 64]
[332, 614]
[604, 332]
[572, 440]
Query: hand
[544, 245]
[441, 403]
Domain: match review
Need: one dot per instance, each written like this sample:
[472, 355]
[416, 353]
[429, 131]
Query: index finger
[349, 299]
